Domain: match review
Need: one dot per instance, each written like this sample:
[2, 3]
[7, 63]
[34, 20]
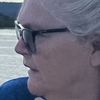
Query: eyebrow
[49, 30]
[27, 26]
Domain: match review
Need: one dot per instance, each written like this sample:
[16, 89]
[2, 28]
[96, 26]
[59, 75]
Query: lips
[33, 69]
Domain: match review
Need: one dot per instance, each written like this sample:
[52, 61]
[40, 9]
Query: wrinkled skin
[65, 71]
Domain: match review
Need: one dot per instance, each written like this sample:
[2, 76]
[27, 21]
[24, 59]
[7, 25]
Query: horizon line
[9, 2]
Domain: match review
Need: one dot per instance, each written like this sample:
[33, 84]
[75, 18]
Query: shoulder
[15, 89]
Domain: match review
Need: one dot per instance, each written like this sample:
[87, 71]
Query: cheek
[57, 63]
[51, 66]
[61, 62]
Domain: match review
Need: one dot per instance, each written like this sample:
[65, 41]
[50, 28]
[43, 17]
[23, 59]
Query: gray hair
[81, 17]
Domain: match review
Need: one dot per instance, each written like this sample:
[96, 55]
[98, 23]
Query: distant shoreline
[9, 2]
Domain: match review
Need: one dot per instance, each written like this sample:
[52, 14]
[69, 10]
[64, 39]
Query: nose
[20, 47]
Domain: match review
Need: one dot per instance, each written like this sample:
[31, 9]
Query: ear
[95, 59]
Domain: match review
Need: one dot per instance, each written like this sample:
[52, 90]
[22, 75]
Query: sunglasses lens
[29, 40]
[27, 36]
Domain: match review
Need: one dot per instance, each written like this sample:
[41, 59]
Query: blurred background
[11, 64]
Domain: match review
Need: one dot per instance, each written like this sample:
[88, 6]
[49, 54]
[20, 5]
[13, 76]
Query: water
[11, 65]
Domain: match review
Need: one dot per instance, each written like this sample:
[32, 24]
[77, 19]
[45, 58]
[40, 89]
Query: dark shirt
[16, 89]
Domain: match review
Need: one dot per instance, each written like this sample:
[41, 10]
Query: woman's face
[61, 60]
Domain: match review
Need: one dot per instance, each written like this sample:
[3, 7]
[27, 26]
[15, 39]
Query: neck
[82, 91]
[85, 88]
[56, 97]
[73, 97]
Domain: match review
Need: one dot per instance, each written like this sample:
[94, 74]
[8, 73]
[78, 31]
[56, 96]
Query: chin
[35, 89]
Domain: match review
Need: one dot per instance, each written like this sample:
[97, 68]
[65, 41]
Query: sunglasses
[29, 35]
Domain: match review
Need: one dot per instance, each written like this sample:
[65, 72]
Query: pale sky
[11, 0]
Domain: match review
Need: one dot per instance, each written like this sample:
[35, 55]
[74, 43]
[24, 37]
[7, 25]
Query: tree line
[6, 21]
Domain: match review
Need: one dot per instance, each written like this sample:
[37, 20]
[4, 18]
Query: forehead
[32, 12]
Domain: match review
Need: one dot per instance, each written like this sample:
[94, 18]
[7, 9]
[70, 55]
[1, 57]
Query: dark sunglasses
[29, 35]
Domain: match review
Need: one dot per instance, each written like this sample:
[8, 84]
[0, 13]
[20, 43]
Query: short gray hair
[81, 17]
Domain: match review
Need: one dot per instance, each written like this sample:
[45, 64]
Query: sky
[11, 0]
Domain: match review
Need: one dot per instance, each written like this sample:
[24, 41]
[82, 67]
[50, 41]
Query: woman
[60, 42]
